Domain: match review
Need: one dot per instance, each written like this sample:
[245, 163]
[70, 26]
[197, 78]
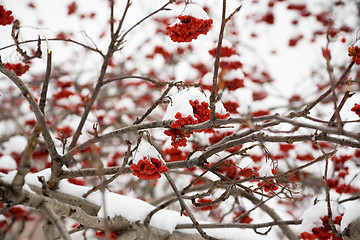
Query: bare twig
[45, 86]
[186, 208]
[213, 97]
[108, 181]
[242, 225]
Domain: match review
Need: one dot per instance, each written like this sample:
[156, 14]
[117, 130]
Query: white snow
[145, 149]
[15, 144]
[265, 170]
[180, 103]
[350, 215]
[7, 162]
[195, 11]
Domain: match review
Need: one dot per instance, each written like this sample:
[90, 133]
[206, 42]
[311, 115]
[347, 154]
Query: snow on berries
[147, 162]
[190, 24]
[5, 16]
[315, 224]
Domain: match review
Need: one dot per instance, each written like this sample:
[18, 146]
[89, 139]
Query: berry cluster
[354, 52]
[5, 16]
[224, 52]
[202, 114]
[189, 28]
[269, 185]
[323, 232]
[178, 136]
[148, 169]
[356, 109]
[201, 111]
[18, 68]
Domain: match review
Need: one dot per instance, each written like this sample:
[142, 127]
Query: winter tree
[218, 119]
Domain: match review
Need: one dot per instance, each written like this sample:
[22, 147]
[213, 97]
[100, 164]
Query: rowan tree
[179, 119]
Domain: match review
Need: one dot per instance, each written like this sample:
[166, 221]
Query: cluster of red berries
[244, 219]
[201, 111]
[354, 52]
[148, 169]
[18, 68]
[189, 28]
[202, 114]
[356, 109]
[224, 52]
[102, 234]
[5, 16]
[178, 136]
[323, 232]
[269, 185]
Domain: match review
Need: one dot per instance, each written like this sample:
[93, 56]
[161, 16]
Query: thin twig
[108, 181]
[217, 63]
[183, 205]
[242, 225]
[54, 39]
[42, 102]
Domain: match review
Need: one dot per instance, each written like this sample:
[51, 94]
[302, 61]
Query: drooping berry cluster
[5, 16]
[323, 232]
[269, 185]
[18, 68]
[148, 169]
[189, 28]
[356, 109]
[178, 136]
[202, 114]
[354, 52]
[201, 111]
